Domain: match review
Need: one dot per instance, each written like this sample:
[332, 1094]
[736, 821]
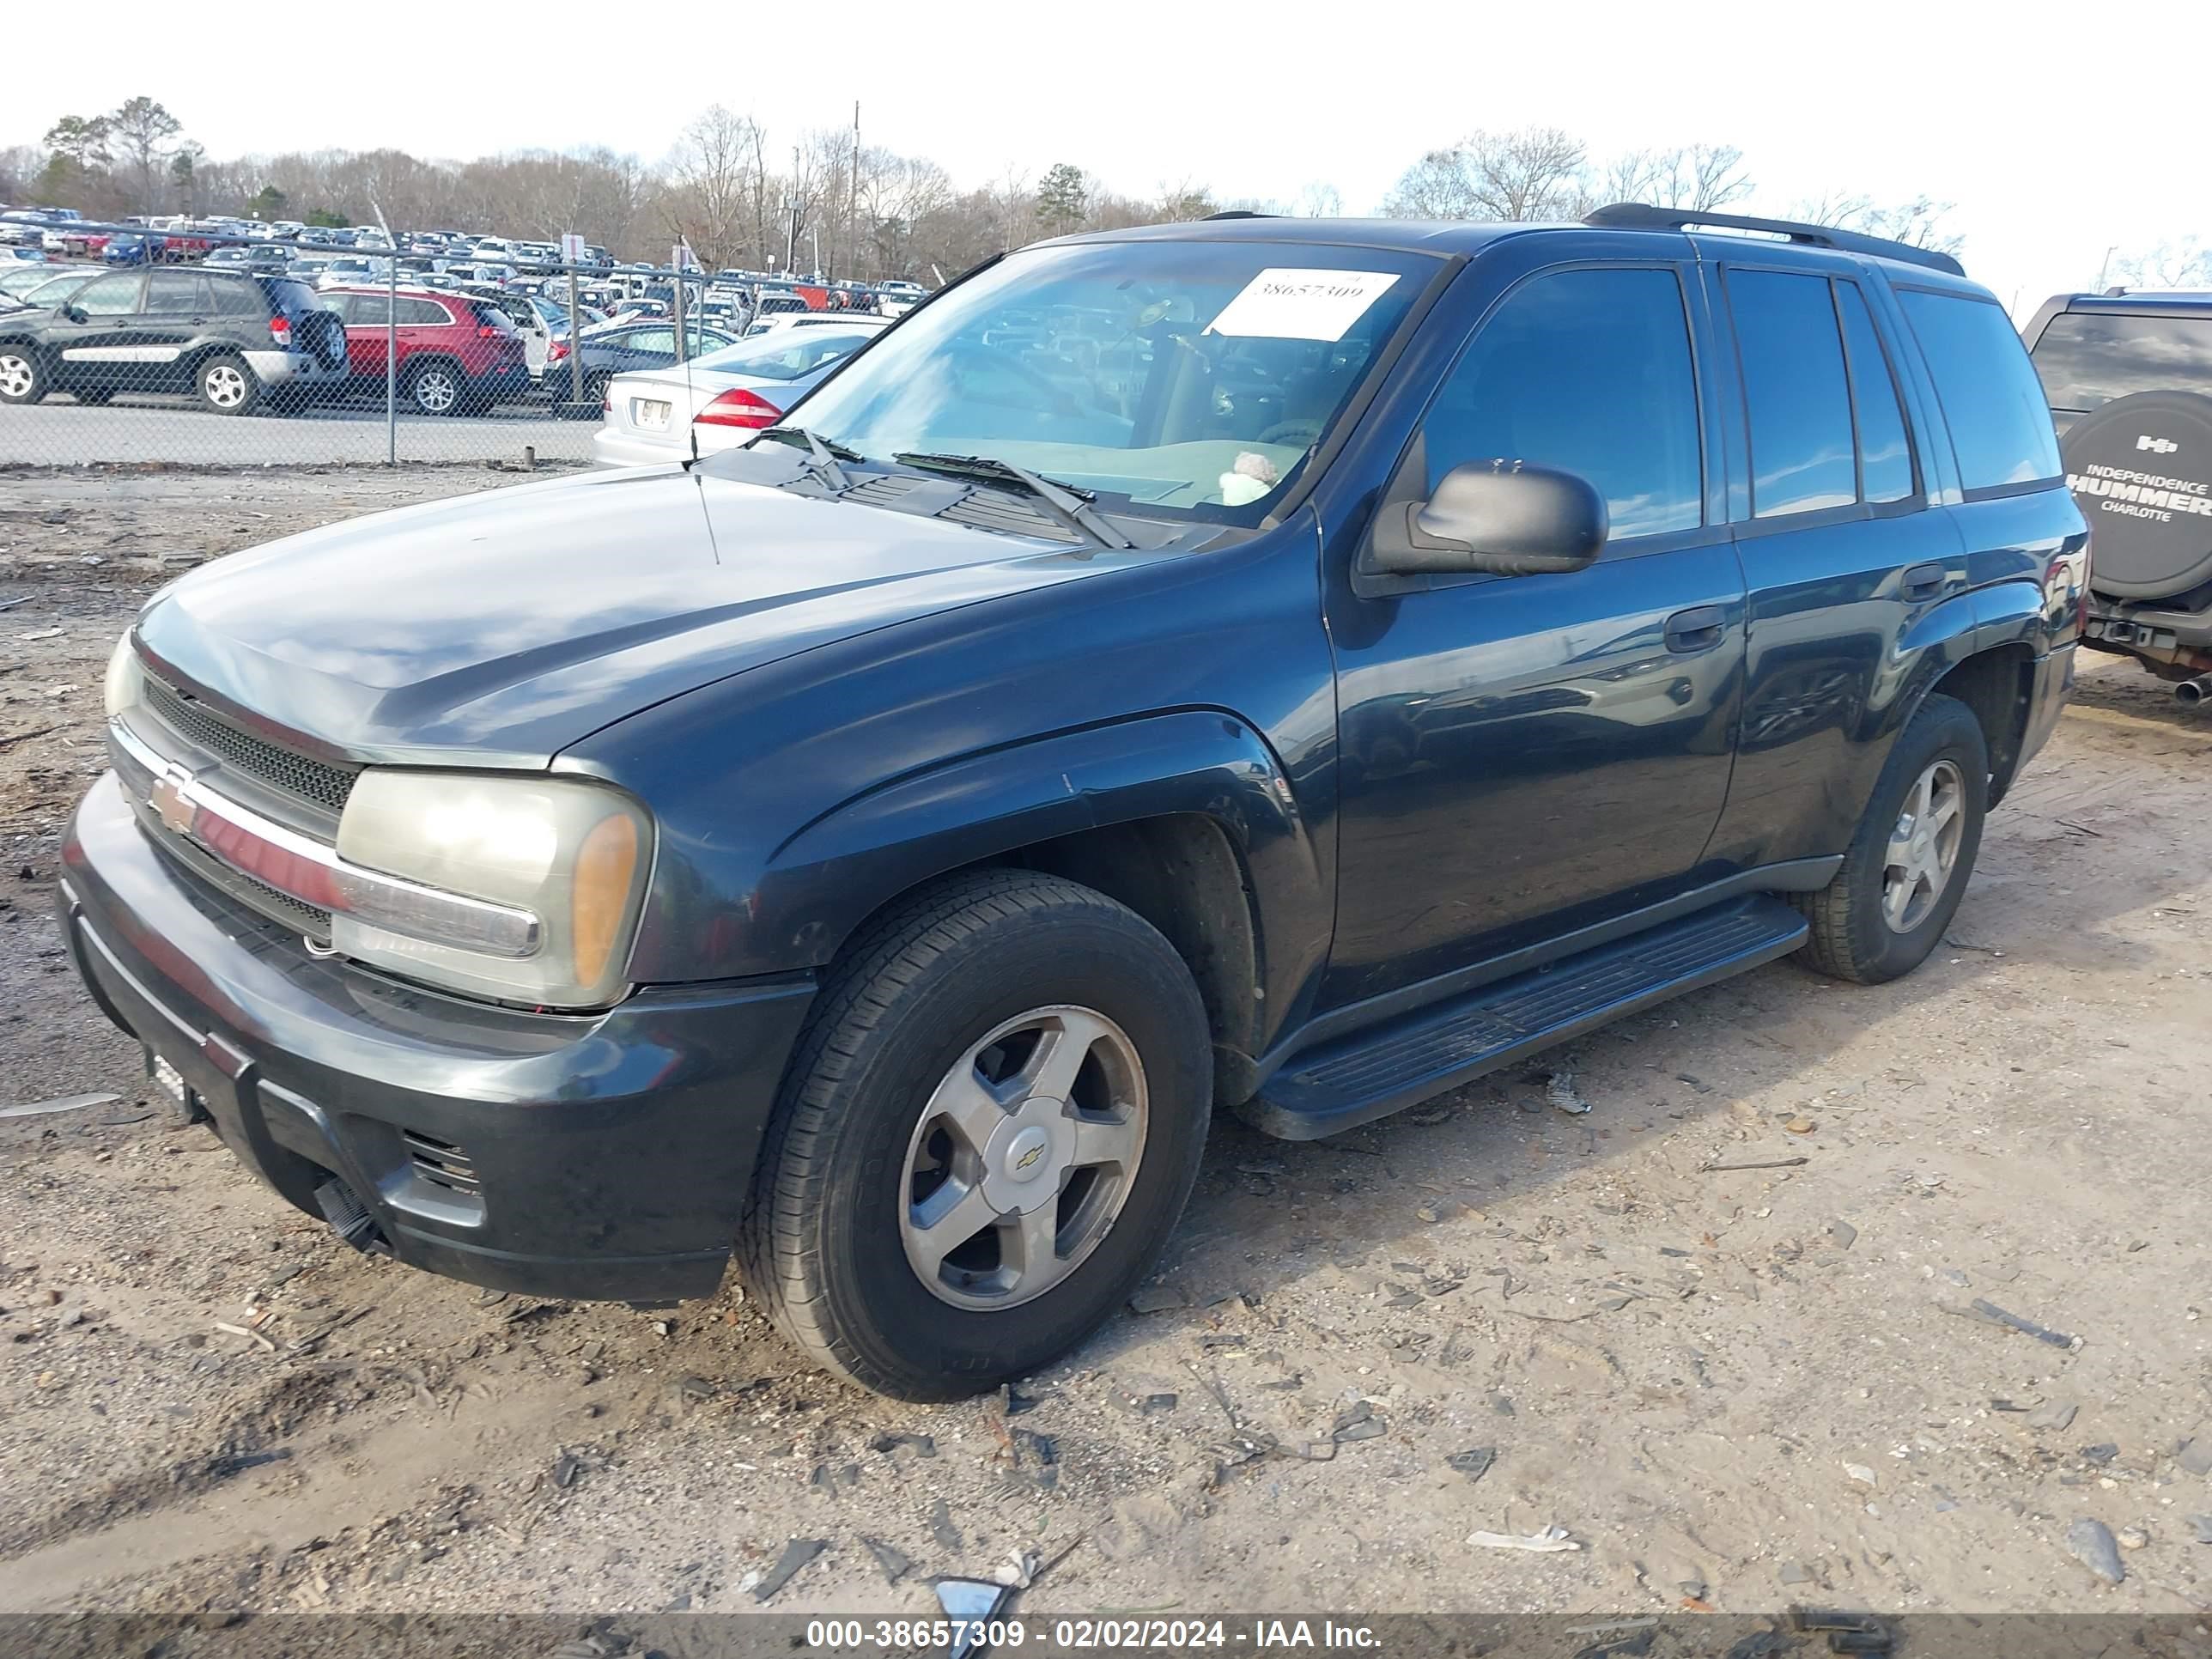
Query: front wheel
[990, 1124]
[23, 377]
[1907, 867]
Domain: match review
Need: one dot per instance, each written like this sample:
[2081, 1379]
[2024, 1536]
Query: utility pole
[852, 207]
[2103, 270]
[391, 340]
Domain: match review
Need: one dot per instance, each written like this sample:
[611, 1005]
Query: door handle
[1695, 628]
[1924, 581]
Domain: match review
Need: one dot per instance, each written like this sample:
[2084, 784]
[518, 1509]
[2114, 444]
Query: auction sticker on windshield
[1286, 304]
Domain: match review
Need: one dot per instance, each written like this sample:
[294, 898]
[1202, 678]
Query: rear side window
[491, 317]
[1588, 371]
[293, 299]
[1885, 452]
[421, 313]
[1796, 392]
[2000, 420]
[2088, 358]
[368, 310]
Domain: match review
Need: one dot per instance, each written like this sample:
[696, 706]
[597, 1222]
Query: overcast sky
[2057, 135]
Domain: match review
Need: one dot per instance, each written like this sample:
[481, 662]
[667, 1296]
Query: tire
[23, 377]
[1885, 910]
[844, 1184]
[595, 392]
[435, 388]
[226, 385]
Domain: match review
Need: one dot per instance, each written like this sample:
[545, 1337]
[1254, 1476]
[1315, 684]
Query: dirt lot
[1736, 1386]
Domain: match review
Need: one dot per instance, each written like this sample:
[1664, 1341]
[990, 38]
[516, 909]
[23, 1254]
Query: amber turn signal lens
[607, 866]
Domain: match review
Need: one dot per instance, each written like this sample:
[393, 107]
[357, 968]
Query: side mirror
[1500, 518]
[75, 315]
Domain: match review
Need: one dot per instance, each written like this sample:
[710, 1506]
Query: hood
[511, 623]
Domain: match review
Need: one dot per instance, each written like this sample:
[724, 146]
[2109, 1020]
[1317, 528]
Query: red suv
[457, 356]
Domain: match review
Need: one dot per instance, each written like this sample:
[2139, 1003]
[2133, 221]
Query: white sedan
[720, 400]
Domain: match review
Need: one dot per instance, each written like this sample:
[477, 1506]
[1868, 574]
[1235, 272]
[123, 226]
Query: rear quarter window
[2087, 359]
[1992, 402]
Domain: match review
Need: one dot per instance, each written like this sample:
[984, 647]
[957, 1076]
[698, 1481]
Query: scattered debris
[1990, 1314]
[1158, 1299]
[1016, 1571]
[2133, 1538]
[1860, 1472]
[2092, 1544]
[1474, 1463]
[892, 1560]
[1156, 1405]
[2057, 1414]
[1546, 1540]
[1844, 1233]
[2201, 1524]
[267, 1346]
[2196, 1454]
[924, 1445]
[1801, 1126]
[1765, 1164]
[566, 1469]
[971, 1604]
[66, 1103]
[1564, 1096]
[2099, 1455]
[1699, 1083]
[942, 1530]
[1795, 1572]
[796, 1554]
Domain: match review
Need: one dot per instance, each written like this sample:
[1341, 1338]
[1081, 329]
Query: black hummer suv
[2130, 378]
[229, 338]
[1280, 663]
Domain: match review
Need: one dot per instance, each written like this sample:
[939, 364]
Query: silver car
[720, 400]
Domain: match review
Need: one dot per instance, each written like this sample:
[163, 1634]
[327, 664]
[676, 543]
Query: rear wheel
[227, 385]
[989, 1127]
[1907, 867]
[22, 376]
[436, 389]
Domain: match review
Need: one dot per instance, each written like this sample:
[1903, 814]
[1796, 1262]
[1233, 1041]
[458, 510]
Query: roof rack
[1243, 213]
[1637, 216]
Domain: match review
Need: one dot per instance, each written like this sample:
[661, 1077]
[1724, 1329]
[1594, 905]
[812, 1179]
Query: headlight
[120, 688]
[572, 855]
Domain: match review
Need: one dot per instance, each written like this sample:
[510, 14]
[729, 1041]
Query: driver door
[91, 335]
[1524, 756]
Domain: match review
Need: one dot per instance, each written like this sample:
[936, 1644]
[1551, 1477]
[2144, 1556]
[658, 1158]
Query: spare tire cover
[2141, 469]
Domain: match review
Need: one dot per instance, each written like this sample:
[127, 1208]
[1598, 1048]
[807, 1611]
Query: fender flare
[826, 879]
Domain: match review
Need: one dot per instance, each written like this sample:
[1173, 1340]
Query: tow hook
[349, 1218]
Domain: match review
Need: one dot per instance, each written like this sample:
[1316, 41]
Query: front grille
[314, 781]
[295, 915]
[442, 1163]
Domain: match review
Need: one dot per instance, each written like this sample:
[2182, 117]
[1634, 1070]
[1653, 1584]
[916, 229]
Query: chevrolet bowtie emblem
[168, 802]
[1029, 1158]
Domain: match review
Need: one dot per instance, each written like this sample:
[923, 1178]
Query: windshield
[1187, 377]
[787, 355]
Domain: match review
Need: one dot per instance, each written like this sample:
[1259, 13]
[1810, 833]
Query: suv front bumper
[606, 1155]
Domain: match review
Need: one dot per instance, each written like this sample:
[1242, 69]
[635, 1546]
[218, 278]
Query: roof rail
[1637, 216]
[1243, 213]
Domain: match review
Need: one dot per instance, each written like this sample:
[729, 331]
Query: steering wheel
[1300, 432]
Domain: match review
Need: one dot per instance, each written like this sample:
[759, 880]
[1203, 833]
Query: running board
[1354, 1080]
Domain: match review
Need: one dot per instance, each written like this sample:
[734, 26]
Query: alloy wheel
[225, 387]
[16, 375]
[1024, 1157]
[1923, 845]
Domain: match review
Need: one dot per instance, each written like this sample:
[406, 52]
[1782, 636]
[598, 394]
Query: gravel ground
[1734, 1386]
[152, 429]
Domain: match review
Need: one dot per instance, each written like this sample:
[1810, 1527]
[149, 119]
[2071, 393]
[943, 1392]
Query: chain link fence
[284, 345]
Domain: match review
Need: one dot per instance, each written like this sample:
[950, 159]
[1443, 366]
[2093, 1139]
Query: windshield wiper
[1071, 505]
[822, 453]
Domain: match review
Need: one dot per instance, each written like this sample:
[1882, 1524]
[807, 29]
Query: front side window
[1795, 392]
[109, 296]
[1589, 371]
[648, 339]
[1184, 378]
[1999, 418]
[2087, 359]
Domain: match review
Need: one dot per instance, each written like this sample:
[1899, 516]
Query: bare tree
[1319, 200]
[1528, 173]
[1696, 178]
[1917, 223]
[715, 191]
[2186, 263]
